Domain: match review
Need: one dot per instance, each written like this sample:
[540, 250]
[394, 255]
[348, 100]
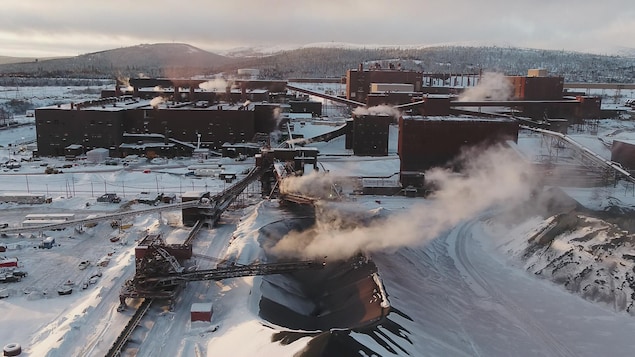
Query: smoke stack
[243, 92]
[360, 67]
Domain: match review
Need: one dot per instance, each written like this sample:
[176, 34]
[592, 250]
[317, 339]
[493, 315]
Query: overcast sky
[39, 28]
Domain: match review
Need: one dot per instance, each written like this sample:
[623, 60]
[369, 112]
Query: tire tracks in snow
[463, 242]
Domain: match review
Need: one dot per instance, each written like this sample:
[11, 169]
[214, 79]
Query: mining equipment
[160, 274]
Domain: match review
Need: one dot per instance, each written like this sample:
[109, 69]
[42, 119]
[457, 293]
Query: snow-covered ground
[466, 281]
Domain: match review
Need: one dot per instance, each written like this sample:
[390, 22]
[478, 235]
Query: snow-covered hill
[588, 253]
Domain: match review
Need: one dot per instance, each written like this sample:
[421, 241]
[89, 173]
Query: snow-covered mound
[589, 253]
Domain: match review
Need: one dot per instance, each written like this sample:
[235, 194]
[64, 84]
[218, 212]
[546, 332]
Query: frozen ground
[468, 291]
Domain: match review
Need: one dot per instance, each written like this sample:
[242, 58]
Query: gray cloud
[46, 26]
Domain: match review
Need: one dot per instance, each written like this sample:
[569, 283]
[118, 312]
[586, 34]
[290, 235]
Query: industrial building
[127, 125]
[623, 152]
[175, 117]
[164, 121]
[537, 87]
[370, 134]
[426, 142]
[536, 95]
[360, 83]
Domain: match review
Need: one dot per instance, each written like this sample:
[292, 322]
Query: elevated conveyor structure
[217, 204]
[585, 155]
[333, 98]
[159, 274]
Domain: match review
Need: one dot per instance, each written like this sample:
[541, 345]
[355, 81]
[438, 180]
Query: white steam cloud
[378, 110]
[275, 135]
[492, 86]
[277, 115]
[125, 83]
[494, 177]
[154, 103]
[215, 85]
[313, 184]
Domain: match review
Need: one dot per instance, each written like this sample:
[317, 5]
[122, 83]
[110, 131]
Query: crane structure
[160, 275]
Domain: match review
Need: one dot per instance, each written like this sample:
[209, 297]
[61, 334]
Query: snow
[470, 291]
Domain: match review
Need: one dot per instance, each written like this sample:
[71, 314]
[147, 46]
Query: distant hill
[333, 62]
[8, 60]
[326, 60]
[155, 60]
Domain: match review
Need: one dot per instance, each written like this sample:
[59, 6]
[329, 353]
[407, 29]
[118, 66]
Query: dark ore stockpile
[332, 304]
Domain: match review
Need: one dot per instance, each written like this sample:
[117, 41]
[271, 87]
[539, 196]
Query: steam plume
[492, 86]
[217, 84]
[275, 135]
[156, 101]
[378, 110]
[494, 177]
[125, 83]
[314, 184]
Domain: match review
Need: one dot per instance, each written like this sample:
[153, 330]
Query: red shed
[8, 263]
[201, 311]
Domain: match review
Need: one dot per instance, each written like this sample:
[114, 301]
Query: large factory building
[536, 95]
[360, 83]
[426, 142]
[164, 117]
[106, 123]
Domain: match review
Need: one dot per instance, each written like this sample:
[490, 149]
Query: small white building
[97, 156]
